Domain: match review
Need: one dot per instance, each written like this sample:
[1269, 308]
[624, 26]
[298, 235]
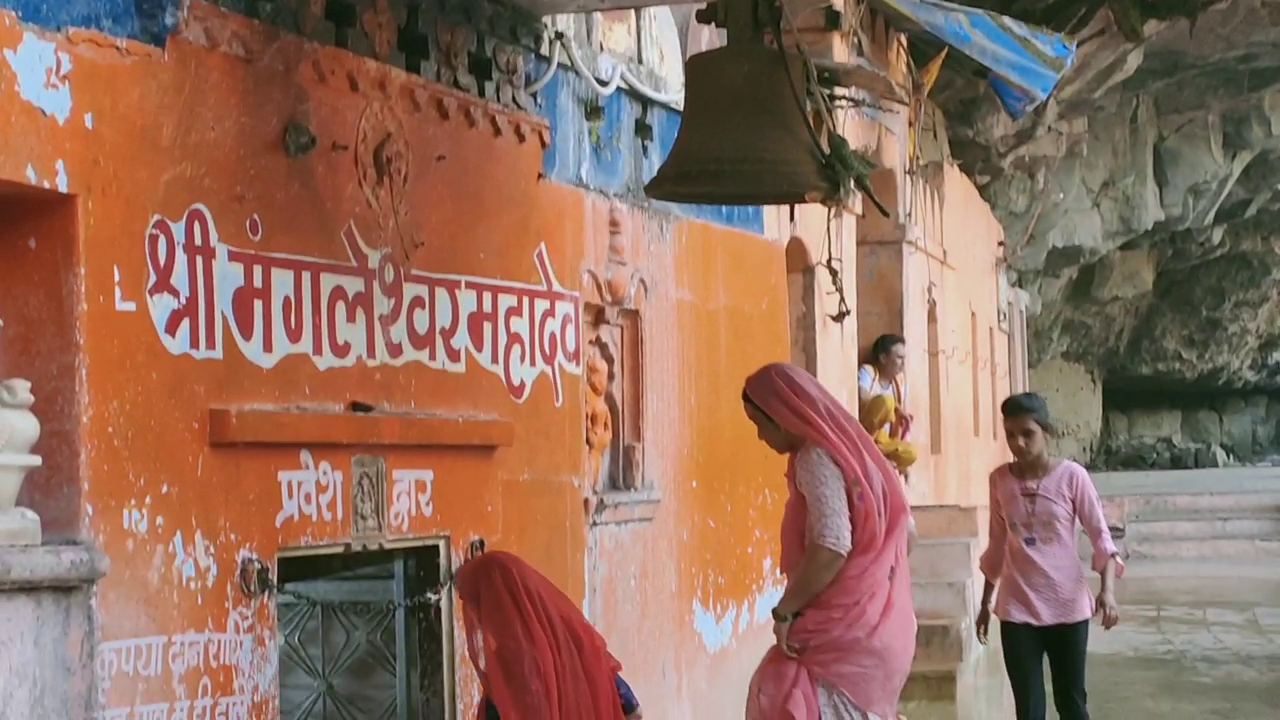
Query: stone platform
[1193, 514]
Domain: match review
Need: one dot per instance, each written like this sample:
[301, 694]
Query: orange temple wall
[167, 449]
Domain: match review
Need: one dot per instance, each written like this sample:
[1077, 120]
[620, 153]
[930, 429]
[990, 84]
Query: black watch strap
[779, 617]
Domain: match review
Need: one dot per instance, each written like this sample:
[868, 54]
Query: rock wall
[1231, 429]
[1141, 204]
[1075, 406]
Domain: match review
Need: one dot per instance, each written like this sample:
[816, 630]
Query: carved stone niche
[614, 402]
[368, 501]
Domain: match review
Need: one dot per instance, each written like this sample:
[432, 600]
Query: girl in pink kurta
[1044, 602]
[845, 627]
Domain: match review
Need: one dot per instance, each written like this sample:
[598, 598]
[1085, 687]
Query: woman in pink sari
[845, 627]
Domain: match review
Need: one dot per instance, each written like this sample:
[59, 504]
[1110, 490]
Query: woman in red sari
[537, 656]
[845, 626]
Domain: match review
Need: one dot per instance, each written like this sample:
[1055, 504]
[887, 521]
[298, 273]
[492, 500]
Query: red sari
[537, 656]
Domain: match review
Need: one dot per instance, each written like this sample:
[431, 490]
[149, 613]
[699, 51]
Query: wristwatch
[784, 618]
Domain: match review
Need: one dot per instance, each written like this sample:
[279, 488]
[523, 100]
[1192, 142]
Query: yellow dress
[878, 417]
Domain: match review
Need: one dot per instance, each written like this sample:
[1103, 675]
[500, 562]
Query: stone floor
[1196, 641]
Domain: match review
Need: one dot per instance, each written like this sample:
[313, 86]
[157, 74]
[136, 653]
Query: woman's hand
[1106, 606]
[781, 630]
[983, 623]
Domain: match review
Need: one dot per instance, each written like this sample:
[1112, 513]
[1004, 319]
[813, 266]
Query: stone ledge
[946, 522]
[49, 566]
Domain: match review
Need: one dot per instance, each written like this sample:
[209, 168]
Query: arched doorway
[802, 306]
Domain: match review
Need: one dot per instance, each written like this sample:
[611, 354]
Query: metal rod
[403, 666]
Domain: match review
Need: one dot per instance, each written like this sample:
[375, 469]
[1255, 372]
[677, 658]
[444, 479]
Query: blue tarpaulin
[1026, 62]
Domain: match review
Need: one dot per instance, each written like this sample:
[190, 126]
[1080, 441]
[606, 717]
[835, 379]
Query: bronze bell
[743, 139]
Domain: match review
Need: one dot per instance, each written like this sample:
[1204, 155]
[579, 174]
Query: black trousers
[1025, 647]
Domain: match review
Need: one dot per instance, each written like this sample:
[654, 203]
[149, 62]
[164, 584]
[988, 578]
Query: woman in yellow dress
[882, 400]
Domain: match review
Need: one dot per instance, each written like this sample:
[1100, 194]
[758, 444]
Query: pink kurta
[1033, 555]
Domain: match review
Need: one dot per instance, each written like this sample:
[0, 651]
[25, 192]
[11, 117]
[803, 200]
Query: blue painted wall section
[150, 21]
[608, 156]
[603, 153]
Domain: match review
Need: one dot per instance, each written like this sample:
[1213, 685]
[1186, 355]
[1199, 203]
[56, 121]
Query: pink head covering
[858, 635]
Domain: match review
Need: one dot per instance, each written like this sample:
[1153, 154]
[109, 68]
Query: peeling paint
[137, 517]
[60, 178]
[195, 562]
[123, 305]
[42, 72]
[717, 628]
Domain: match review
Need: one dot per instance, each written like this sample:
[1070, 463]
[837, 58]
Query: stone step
[944, 558]
[929, 685]
[946, 521]
[1161, 506]
[974, 690]
[935, 710]
[943, 643]
[1206, 548]
[1193, 527]
[944, 598]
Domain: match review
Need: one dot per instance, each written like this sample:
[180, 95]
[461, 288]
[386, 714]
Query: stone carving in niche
[453, 63]
[368, 498]
[615, 368]
[614, 457]
[599, 412]
[510, 75]
[19, 431]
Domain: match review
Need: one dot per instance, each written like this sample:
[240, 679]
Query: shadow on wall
[40, 340]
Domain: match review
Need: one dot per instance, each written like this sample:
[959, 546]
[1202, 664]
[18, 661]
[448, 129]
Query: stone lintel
[49, 566]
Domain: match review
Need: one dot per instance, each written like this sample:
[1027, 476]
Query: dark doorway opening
[363, 636]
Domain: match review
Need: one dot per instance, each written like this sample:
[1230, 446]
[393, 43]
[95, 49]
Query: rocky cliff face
[1142, 205]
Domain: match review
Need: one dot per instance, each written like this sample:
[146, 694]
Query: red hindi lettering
[570, 347]
[430, 340]
[483, 329]
[448, 334]
[391, 288]
[359, 302]
[420, 341]
[355, 304]
[198, 309]
[521, 349]
[253, 295]
[571, 333]
[549, 340]
[295, 310]
[317, 316]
